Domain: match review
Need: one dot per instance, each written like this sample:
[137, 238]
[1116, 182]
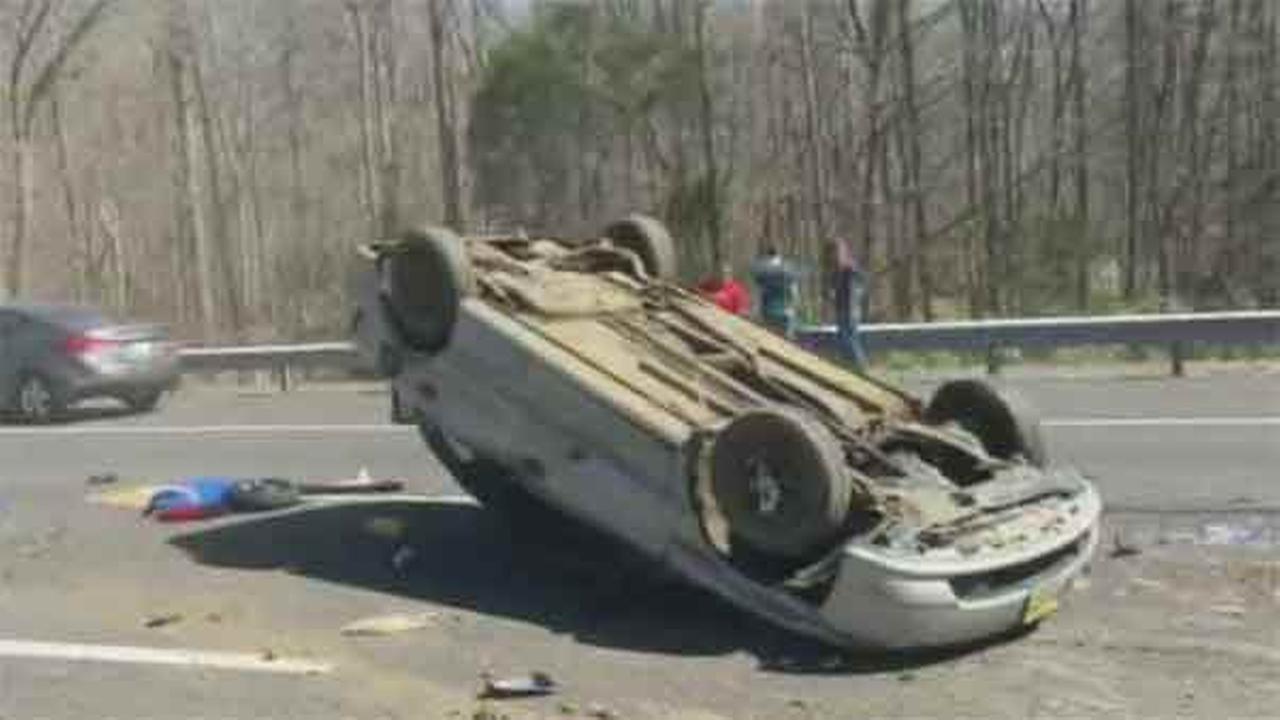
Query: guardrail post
[1177, 351]
[285, 376]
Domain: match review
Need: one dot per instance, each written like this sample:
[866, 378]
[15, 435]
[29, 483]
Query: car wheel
[1007, 426]
[778, 481]
[143, 400]
[649, 239]
[263, 494]
[425, 279]
[38, 400]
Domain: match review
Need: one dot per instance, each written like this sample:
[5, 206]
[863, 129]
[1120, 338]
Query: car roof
[76, 317]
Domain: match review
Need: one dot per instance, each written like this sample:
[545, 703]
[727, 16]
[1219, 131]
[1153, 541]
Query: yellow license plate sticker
[1040, 605]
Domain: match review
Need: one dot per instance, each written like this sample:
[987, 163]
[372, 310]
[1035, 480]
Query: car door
[9, 322]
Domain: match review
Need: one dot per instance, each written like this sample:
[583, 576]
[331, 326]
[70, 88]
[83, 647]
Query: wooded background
[211, 163]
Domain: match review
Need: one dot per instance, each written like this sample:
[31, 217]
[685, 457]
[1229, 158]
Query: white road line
[158, 656]
[266, 429]
[1163, 422]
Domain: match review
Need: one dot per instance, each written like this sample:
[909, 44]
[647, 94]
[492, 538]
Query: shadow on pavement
[569, 579]
[77, 414]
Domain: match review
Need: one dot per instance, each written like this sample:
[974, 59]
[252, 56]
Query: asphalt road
[1151, 443]
[76, 572]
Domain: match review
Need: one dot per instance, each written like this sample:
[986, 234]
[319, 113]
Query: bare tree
[32, 78]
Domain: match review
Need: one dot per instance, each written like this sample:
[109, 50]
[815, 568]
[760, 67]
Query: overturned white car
[576, 374]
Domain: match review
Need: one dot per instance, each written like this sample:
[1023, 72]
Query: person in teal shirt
[776, 280]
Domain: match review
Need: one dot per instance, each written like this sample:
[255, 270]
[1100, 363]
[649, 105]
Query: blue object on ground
[210, 494]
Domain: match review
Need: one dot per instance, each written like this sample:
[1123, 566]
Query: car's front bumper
[929, 602]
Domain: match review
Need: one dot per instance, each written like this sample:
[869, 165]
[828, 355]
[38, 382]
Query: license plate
[1040, 605]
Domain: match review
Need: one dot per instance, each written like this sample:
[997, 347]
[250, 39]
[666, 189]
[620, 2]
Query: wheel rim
[35, 400]
[765, 487]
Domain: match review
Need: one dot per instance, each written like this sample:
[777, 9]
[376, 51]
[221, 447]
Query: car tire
[264, 494]
[38, 400]
[424, 282]
[650, 240]
[143, 400]
[1007, 426]
[778, 481]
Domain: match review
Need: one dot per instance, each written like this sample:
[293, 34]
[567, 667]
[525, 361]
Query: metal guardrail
[1177, 331]
[281, 359]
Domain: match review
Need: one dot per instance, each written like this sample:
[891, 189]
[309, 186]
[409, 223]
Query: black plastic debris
[261, 494]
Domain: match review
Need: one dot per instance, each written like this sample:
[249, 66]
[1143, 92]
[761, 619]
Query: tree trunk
[191, 220]
[707, 120]
[914, 185]
[446, 133]
[369, 185]
[70, 204]
[1133, 145]
[220, 238]
[1084, 241]
[813, 149]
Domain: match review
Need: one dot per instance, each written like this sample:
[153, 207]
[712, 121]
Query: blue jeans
[849, 290]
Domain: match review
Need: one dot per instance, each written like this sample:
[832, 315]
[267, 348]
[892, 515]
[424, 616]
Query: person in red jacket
[725, 291]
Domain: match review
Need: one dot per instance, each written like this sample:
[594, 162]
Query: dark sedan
[52, 356]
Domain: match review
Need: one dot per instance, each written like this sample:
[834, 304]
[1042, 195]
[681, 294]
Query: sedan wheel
[37, 401]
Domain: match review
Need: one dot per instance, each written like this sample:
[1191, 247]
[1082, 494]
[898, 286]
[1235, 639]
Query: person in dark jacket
[776, 281]
[848, 285]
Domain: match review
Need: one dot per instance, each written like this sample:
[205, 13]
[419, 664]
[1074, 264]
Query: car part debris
[159, 621]
[361, 483]
[108, 478]
[1121, 549]
[600, 712]
[573, 374]
[263, 494]
[392, 624]
[532, 685]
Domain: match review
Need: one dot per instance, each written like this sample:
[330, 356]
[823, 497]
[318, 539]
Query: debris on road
[391, 624]
[196, 498]
[159, 621]
[263, 494]
[601, 712]
[532, 685]
[361, 483]
[1235, 534]
[1231, 610]
[1122, 549]
[1148, 584]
